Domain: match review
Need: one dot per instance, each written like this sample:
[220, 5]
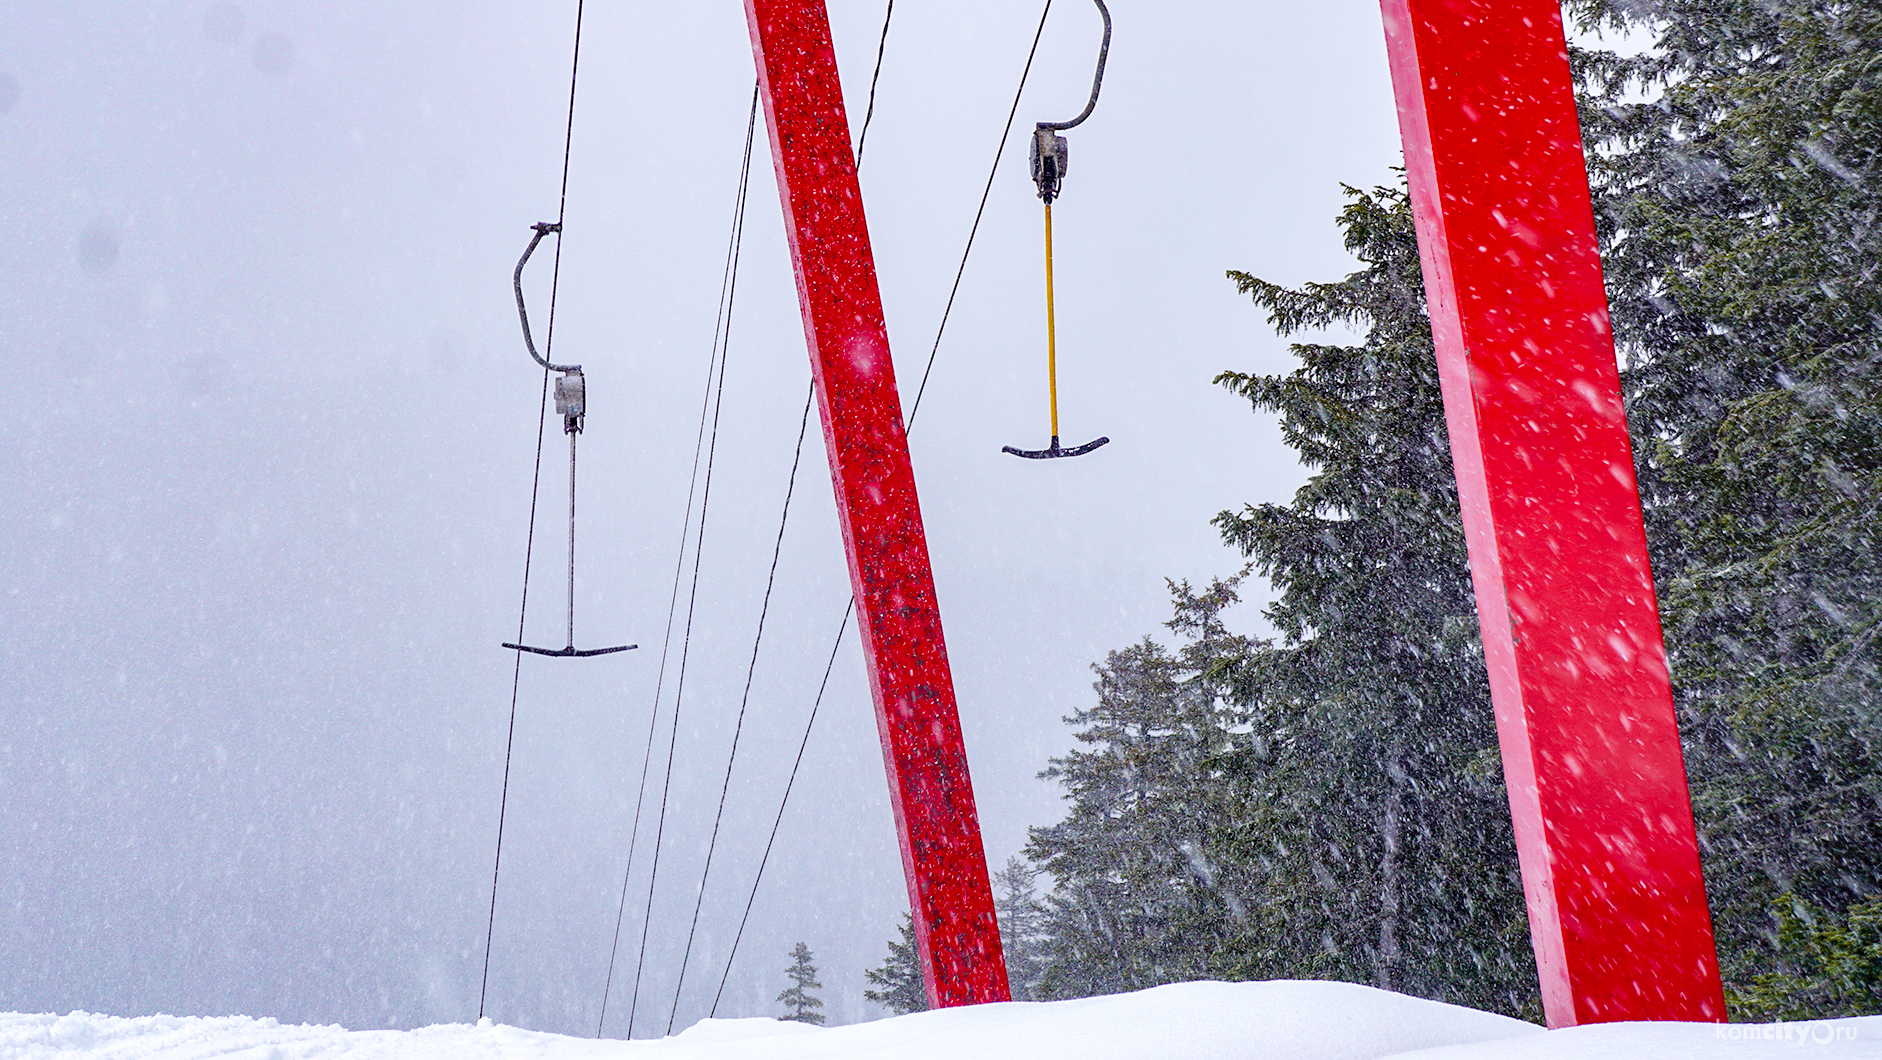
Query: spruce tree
[1016, 904]
[899, 985]
[1142, 896]
[1738, 176]
[1329, 805]
[1374, 765]
[801, 1003]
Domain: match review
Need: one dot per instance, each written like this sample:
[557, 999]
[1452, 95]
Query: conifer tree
[1374, 752]
[899, 985]
[1833, 964]
[1329, 805]
[1142, 896]
[1738, 176]
[801, 1003]
[1016, 904]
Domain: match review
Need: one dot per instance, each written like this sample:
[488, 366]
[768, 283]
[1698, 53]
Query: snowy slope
[1191, 1021]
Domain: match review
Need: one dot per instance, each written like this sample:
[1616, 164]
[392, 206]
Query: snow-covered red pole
[1558, 554]
[956, 935]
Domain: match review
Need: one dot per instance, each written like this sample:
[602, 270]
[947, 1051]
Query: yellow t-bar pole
[1052, 347]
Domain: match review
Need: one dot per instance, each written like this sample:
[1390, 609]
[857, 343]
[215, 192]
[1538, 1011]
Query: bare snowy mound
[1192, 1021]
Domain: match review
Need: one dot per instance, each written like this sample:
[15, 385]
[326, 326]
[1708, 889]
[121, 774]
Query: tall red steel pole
[955, 931]
[1558, 555]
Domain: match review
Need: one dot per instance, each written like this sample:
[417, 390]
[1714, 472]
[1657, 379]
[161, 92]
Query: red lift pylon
[897, 616]
[1558, 555]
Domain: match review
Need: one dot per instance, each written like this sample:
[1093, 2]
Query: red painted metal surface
[900, 623]
[1571, 628]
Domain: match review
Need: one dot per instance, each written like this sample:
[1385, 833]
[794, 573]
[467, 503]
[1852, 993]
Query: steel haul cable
[757, 640]
[1005, 133]
[783, 521]
[715, 394]
[713, 366]
[888, 13]
[837, 643]
[738, 727]
[516, 677]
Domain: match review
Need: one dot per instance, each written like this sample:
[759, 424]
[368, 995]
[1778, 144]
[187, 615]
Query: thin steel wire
[516, 677]
[679, 568]
[881, 46]
[888, 15]
[1005, 134]
[679, 694]
[738, 727]
[779, 819]
[725, 342]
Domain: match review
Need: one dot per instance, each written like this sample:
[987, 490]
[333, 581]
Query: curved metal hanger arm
[1097, 79]
[542, 228]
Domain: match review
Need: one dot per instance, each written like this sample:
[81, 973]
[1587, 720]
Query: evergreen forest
[1327, 802]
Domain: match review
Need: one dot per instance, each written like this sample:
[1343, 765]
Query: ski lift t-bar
[1049, 155]
[571, 403]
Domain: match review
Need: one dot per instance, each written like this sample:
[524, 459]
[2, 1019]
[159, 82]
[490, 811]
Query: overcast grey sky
[269, 432]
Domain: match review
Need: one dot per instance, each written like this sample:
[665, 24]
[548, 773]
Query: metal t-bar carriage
[1578, 673]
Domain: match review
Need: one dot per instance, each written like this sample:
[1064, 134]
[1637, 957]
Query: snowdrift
[1191, 1021]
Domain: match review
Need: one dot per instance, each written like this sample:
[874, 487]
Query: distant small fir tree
[803, 1005]
[1022, 926]
[898, 981]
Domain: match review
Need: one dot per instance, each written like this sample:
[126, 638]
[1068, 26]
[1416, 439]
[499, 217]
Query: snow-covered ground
[1191, 1021]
